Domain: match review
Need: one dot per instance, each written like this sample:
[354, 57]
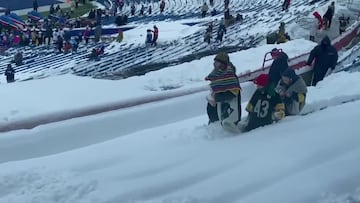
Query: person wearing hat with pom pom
[265, 105]
[225, 92]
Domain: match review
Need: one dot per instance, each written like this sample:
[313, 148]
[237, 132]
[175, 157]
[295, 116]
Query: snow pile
[353, 197]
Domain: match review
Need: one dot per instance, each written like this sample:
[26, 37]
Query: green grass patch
[81, 10]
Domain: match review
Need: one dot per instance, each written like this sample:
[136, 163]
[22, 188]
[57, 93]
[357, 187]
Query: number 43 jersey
[261, 108]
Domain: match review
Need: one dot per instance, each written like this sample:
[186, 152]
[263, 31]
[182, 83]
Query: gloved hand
[211, 100]
[278, 115]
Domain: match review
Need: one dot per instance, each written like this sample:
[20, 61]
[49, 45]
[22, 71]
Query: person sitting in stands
[96, 52]
[18, 58]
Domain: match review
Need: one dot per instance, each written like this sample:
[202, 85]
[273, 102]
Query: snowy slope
[297, 160]
[69, 92]
[164, 152]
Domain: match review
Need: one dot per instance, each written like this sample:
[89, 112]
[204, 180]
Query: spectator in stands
[132, 9]
[149, 36]
[52, 9]
[96, 52]
[67, 47]
[114, 9]
[343, 23]
[67, 34]
[48, 35]
[91, 14]
[210, 26]
[10, 74]
[57, 8]
[329, 15]
[76, 3]
[282, 36]
[292, 90]
[40, 39]
[226, 3]
[207, 36]
[239, 17]
[278, 66]
[221, 31]
[18, 58]
[211, 3]
[265, 105]
[16, 40]
[34, 37]
[125, 18]
[229, 19]
[60, 43]
[204, 9]
[55, 36]
[98, 31]
[285, 5]
[120, 36]
[35, 5]
[226, 91]
[162, 6]
[150, 10]
[74, 44]
[315, 26]
[107, 14]
[213, 12]
[72, 6]
[227, 14]
[325, 56]
[155, 36]
[142, 10]
[121, 4]
[7, 11]
[86, 35]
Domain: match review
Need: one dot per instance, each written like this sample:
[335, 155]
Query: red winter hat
[262, 80]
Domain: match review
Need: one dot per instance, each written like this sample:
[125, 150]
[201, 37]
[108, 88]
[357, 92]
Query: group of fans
[279, 93]
[324, 22]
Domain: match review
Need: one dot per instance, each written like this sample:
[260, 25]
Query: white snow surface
[164, 152]
[299, 159]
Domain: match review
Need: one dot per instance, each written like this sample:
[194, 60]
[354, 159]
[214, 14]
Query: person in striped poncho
[225, 97]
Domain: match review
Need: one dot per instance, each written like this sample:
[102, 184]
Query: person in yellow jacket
[120, 36]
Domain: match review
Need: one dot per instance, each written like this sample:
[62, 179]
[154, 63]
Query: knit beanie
[262, 80]
[222, 57]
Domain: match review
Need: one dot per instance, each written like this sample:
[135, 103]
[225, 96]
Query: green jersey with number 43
[261, 108]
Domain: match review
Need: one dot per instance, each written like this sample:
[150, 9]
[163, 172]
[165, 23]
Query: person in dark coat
[35, 5]
[132, 9]
[221, 31]
[155, 36]
[7, 11]
[325, 56]
[60, 43]
[285, 5]
[10, 74]
[52, 9]
[18, 58]
[329, 15]
[150, 10]
[278, 66]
